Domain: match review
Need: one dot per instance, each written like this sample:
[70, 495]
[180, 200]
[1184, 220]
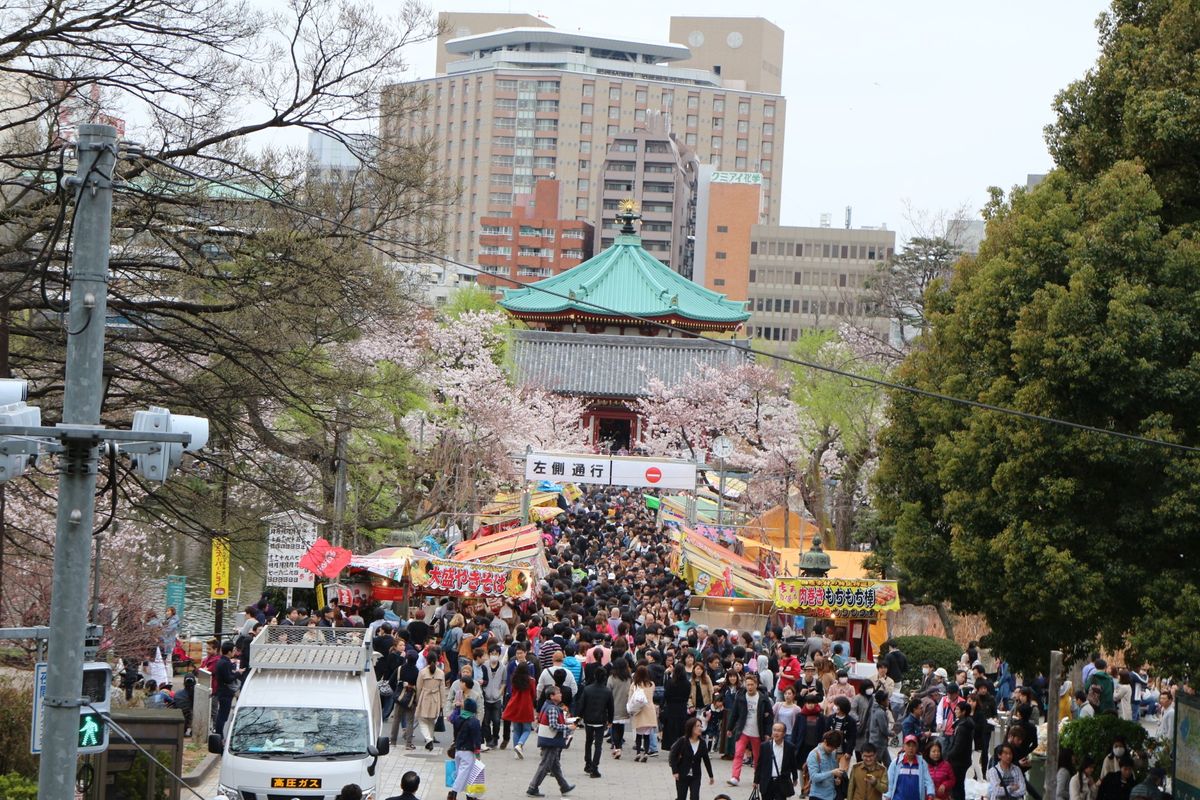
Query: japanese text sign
[611, 470]
[458, 577]
[840, 597]
[289, 536]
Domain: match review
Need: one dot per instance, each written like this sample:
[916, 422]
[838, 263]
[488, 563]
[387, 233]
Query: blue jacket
[820, 772]
[903, 779]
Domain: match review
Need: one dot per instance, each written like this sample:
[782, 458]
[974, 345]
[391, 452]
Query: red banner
[325, 560]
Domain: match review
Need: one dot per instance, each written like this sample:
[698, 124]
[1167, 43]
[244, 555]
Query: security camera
[13, 390]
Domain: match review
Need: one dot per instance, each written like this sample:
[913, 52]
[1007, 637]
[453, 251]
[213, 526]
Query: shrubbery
[16, 709]
[1093, 736]
[942, 652]
[17, 787]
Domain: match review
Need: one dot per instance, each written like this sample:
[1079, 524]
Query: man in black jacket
[775, 776]
[747, 728]
[227, 683]
[958, 754]
[595, 707]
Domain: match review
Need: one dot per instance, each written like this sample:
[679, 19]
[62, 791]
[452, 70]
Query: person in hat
[809, 683]
[468, 739]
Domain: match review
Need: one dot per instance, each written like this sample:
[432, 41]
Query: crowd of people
[606, 654]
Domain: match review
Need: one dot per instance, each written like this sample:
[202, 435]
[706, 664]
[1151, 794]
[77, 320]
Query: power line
[880, 382]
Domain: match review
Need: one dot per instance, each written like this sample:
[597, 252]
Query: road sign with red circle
[654, 474]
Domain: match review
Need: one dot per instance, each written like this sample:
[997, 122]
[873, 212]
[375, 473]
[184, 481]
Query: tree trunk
[946, 617]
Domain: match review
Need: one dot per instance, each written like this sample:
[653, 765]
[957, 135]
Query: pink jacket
[942, 776]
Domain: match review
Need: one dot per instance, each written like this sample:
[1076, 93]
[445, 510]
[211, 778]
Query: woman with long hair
[733, 685]
[431, 693]
[645, 717]
[688, 753]
[520, 708]
[620, 683]
[676, 692]
[701, 694]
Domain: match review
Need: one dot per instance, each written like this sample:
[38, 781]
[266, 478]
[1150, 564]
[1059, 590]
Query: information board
[290, 535]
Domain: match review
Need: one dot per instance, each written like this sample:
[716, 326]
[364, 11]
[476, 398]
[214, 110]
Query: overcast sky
[923, 102]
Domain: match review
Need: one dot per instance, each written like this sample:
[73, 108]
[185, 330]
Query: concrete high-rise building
[814, 279]
[457, 24]
[519, 104]
[742, 50]
[533, 243]
[726, 213]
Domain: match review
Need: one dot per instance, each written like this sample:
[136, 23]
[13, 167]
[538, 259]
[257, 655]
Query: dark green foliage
[17, 787]
[943, 652]
[1093, 736]
[16, 709]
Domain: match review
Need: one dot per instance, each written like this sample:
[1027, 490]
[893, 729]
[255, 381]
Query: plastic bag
[451, 772]
[476, 783]
[973, 789]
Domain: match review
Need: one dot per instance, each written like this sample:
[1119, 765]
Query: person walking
[824, 771]
[405, 712]
[868, 778]
[596, 710]
[958, 753]
[431, 692]
[552, 733]
[777, 769]
[878, 728]
[751, 719]
[619, 682]
[908, 776]
[520, 708]
[643, 714]
[468, 738]
[676, 694]
[687, 755]
[492, 677]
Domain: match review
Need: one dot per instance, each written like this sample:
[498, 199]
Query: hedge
[942, 652]
[17, 787]
[1093, 736]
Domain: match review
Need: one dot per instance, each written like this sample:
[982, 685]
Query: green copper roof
[627, 280]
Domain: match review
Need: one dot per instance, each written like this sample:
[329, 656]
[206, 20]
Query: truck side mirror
[215, 743]
[383, 745]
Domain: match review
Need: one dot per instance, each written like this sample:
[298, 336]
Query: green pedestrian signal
[91, 730]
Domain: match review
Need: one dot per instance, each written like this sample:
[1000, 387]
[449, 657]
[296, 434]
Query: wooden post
[1054, 679]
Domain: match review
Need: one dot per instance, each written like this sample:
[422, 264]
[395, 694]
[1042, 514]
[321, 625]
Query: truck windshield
[299, 732]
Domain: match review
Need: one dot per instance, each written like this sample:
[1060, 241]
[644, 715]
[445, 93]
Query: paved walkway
[509, 778]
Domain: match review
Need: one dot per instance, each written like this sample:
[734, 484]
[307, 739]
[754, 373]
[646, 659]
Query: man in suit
[775, 775]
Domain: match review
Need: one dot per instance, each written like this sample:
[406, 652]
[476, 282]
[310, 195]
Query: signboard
[220, 568]
[290, 535]
[754, 178]
[435, 575]
[656, 473]
[1185, 779]
[836, 597]
[176, 592]
[39, 698]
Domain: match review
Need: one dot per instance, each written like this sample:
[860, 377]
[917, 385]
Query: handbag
[476, 783]
[385, 688]
[440, 725]
[407, 698]
[755, 794]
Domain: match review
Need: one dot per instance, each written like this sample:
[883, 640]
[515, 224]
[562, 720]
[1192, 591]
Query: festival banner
[436, 576]
[220, 568]
[836, 597]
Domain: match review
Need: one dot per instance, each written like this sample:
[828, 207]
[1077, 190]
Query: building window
[778, 304]
[718, 281]
[718, 105]
[690, 139]
[754, 248]
[550, 87]
[692, 120]
[765, 165]
[716, 143]
[743, 126]
[842, 279]
[739, 163]
[845, 251]
[743, 145]
[614, 112]
[640, 96]
[506, 85]
[589, 90]
[718, 124]
[584, 184]
[769, 111]
[768, 148]
[584, 163]
[753, 275]
[668, 99]
[586, 109]
[614, 130]
[614, 93]
[787, 306]
[639, 115]
[585, 129]
[797, 278]
[743, 108]
[722, 229]
[720, 255]
[768, 129]
[585, 147]
[758, 304]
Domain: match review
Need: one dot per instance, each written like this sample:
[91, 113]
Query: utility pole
[79, 458]
[1052, 720]
[339, 480]
[787, 505]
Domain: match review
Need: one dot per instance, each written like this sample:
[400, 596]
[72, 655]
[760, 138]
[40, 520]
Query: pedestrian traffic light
[93, 728]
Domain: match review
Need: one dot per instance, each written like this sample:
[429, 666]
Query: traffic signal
[164, 457]
[93, 729]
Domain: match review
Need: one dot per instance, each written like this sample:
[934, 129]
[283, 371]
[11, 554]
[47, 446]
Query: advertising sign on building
[836, 597]
[437, 576]
[654, 473]
[290, 534]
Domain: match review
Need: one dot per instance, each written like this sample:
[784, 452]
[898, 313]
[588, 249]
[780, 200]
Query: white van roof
[322, 649]
[304, 689]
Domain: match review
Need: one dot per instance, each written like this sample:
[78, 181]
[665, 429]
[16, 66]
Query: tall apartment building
[519, 104]
[533, 243]
[726, 212]
[814, 279]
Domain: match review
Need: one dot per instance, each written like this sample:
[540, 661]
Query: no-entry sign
[653, 475]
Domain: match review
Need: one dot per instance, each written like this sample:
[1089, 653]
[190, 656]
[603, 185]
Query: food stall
[858, 605]
[727, 591]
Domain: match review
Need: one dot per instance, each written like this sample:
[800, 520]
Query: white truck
[307, 720]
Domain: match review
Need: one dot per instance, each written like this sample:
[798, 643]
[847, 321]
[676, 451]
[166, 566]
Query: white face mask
[924, 670]
[1118, 751]
[495, 660]
[843, 680]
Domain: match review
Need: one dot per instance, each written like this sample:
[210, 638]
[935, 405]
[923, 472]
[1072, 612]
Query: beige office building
[814, 279]
[527, 101]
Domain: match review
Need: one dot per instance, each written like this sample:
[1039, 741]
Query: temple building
[589, 336]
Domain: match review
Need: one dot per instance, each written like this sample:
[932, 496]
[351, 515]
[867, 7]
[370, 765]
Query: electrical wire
[880, 382]
[124, 734]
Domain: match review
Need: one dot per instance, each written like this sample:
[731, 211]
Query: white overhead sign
[653, 473]
[290, 534]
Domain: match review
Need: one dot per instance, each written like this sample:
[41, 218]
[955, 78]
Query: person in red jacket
[940, 771]
[519, 710]
[790, 670]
